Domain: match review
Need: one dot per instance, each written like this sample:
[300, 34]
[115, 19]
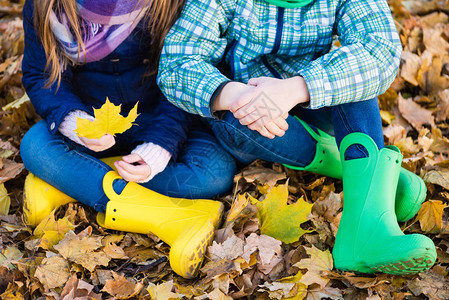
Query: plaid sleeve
[193, 47]
[366, 63]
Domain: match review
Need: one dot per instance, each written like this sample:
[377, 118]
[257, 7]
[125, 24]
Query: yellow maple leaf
[319, 263]
[51, 231]
[430, 216]
[279, 220]
[107, 120]
[163, 291]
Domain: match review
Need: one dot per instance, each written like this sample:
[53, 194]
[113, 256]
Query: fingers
[281, 123]
[131, 172]
[132, 158]
[101, 144]
[274, 129]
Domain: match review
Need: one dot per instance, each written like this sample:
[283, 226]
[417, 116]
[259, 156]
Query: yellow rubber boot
[40, 198]
[186, 225]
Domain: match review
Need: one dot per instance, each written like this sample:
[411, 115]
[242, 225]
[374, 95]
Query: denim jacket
[253, 38]
[119, 76]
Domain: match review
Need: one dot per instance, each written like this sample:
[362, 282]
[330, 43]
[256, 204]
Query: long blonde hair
[160, 17]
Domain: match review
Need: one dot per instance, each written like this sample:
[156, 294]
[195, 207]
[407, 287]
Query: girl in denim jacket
[273, 85]
[77, 53]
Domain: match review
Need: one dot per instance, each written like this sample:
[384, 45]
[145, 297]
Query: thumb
[131, 158]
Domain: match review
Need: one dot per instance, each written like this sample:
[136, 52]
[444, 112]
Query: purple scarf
[104, 25]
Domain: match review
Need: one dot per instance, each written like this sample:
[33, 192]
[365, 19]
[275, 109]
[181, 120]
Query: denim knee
[34, 140]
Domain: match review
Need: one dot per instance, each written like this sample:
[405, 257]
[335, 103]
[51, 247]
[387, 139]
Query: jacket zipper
[277, 41]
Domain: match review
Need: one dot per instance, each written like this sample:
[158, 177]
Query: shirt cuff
[154, 156]
[217, 114]
[320, 90]
[68, 125]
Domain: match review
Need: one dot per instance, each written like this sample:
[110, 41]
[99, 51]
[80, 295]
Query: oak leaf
[107, 121]
[280, 220]
[430, 216]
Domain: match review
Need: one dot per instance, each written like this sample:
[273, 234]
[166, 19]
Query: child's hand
[133, 168]
[101, 144]
[271, 99]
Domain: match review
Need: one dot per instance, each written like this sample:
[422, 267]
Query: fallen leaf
[82, 250]
[77, 289]
[410, 67]
[51, 231]
[230, 249]
[121, 288]
[216, 294]
[324, 293]
[9, 255]
[107, 121]
[269, 251]
[280, 220]
[261, 176]
[439, 176]
[430, 283]
[394, 133]
[163, 291]
[5, 201]
[430, 216]
[10, 170]
[53, 272]
[429, 75]
[319, 264]
[443, 106]
[416, 115]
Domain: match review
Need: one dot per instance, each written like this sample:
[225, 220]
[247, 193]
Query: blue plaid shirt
[252, 38]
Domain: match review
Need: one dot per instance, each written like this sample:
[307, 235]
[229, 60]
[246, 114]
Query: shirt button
[52, 126]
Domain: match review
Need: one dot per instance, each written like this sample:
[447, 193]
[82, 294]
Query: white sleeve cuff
[68, 125]
[154, 156]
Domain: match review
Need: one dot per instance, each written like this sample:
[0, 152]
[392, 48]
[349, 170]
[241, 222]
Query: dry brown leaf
[429, 75]
[430, 216]
[10, 170]
[443, 106]
[230, 249]
[430, 283]
[121, 288]
[394, 133]
[53, 272]
[433, 41]
[82, 251]
[114, 251]
[324, 293]
[270, 251]
[216, 294]
[261, 176]
[410, 66]
[439, 176]
[416, 115]
[77, 289]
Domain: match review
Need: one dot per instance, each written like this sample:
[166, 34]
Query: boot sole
[417, 262]
[192, 252]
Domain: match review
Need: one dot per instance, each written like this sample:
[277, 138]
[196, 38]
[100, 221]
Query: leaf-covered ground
[68, 256]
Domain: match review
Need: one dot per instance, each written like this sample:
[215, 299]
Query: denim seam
[293, 162]
[349, 129]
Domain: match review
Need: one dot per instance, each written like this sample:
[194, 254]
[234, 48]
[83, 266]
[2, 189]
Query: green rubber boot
[369, 238]
[411, 190]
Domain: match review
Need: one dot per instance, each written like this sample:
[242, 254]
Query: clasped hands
[263, 103]
[131, 167]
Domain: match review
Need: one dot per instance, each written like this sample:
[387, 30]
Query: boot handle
[108, 189]
[361, 139]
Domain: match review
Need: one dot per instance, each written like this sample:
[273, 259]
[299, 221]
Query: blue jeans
[297, 147]
[203, 168]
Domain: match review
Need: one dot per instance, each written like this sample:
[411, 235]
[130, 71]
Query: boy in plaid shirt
[267, 76]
